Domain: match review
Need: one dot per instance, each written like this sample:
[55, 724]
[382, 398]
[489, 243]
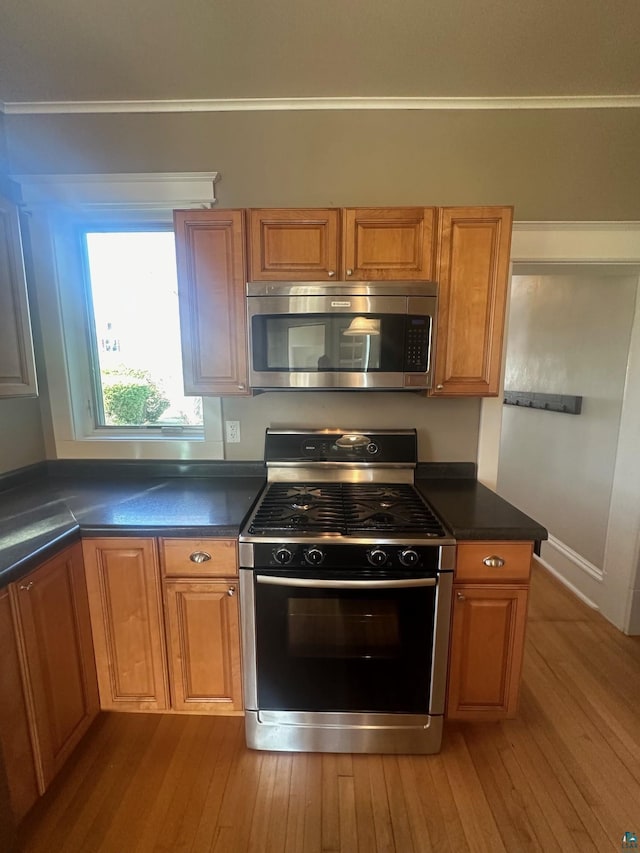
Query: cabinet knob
[349, 272]
[331, 273]
[460, 596]
[493, 562]
[25, 587]
[439, 387]
[241, 386]
[231, 591]
[199, 557]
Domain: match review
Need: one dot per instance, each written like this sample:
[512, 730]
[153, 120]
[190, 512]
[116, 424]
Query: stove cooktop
[343, 509]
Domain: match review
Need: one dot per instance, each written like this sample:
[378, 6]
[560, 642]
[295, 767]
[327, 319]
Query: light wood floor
[563, 776]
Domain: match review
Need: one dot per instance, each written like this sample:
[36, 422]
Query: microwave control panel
[416, 344]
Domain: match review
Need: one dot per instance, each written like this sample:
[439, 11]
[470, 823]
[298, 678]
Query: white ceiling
[85, 50]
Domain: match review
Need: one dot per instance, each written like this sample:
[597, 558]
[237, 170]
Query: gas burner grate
[388, 509]
[310, 508]
[344, 509]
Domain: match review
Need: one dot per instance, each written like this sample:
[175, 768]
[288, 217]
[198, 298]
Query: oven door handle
[316, 583]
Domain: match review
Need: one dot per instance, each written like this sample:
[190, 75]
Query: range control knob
[377, 557]
[372, 448]
[282, 556]
[314, 556]
[409, 557]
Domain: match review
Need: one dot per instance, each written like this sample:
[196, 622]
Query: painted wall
[21, 440]
[447, 429]
[568, 334]
[551, 164]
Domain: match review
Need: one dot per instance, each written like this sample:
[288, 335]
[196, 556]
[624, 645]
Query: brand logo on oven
[344, 304]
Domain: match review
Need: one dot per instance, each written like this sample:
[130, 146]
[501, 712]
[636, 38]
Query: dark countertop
[42, 513]
[38, 518]
[472, 511]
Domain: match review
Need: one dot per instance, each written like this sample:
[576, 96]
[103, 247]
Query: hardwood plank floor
[564, 775]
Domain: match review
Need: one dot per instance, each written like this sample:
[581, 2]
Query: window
[134, 331]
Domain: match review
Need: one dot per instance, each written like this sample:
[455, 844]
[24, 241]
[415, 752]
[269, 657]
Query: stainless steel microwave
[341, 335]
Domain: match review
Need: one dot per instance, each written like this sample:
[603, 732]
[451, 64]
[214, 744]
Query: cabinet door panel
[211, 281]
[473, 271]
[51, 608]
[204, 646]
[389, 243]
[15, 742]
[299, 244]
[487, 643]
[125, 600]
[17, 365]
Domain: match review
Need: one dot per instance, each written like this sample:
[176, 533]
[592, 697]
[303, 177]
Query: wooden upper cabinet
[125, 600]
[299, 244]
[365, 243]
[54, 634]
[389, 243]
[17, 365]
[472, 273]
[211, 282]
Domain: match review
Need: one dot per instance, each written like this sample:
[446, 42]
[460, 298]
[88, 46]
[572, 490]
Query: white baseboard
[577, 559]
[566, 583]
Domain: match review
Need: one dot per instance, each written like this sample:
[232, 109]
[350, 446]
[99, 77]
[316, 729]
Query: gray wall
[567, 335]
[21, 440]
[551, 164]
[447, 429]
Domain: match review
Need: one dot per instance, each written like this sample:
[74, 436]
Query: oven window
[344, 650]
[338, 628]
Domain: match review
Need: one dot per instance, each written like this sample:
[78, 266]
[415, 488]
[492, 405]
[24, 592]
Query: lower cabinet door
[59, 676]
[487, 644]
[15, 741]
[204, 646]
[125, 599]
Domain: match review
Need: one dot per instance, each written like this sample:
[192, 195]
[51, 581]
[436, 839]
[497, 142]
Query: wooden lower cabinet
[490, 594]
[170, 644]
[15, 741]
[56, 652]
[203, 638]
[125, 600]
[487, 644]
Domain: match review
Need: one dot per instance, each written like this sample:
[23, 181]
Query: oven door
[346, 644]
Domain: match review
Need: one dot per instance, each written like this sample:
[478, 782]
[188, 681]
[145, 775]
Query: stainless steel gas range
[345, 583]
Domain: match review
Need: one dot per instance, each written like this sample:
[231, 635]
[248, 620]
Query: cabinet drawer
[494, 562]
[198, 558]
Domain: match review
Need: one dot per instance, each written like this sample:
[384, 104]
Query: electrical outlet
[232, 429]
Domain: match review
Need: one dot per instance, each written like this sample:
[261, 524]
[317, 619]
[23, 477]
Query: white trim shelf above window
[109, 192]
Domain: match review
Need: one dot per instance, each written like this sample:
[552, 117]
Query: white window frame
[61, 208]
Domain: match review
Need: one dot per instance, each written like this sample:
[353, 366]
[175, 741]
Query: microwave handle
[315, 583]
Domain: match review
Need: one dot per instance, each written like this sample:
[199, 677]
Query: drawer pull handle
[25, 587]
[199, 557]
[493, 562]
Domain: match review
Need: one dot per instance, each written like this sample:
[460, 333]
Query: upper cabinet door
[17, 365]
[389, 243]
[211, 281]
[294, 244]
[472, 275]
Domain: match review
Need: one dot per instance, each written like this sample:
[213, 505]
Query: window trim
[61, 293]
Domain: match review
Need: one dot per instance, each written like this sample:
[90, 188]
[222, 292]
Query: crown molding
[552, 102]
[141, 191]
